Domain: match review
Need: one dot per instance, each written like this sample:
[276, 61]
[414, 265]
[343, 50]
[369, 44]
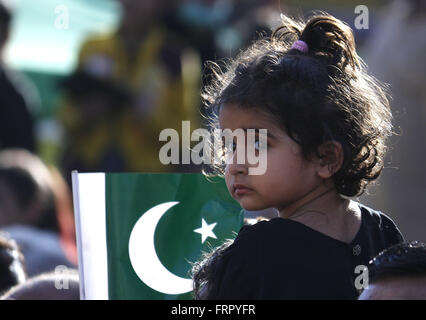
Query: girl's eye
[259, 146]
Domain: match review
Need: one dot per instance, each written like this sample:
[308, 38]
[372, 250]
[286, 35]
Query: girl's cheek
[228, 180]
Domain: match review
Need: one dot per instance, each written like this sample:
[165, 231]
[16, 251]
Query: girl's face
[288, 179]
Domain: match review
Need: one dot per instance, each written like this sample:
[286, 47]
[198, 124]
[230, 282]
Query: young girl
[327, 121]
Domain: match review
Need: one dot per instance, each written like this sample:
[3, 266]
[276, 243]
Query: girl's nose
[236, 168]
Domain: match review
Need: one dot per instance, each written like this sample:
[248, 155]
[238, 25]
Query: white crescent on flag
[143, 255]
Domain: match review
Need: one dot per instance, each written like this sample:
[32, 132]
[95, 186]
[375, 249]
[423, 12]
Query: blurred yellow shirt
[164, 84]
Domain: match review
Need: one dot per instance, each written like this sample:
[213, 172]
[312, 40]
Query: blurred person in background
[29, 212]
[63, 285]
[398, 273]
[64, 215]
[12, 265]
[249, 20]
[220, 28]
[98, 104]
[158, 79]
[395, 54]
[16, 122]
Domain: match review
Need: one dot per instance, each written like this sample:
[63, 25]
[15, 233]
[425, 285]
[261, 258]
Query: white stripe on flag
[90, 218]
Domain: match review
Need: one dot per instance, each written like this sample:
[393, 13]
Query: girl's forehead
[234, 116]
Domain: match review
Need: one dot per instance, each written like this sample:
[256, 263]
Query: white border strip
[90, 218]
[75, 197]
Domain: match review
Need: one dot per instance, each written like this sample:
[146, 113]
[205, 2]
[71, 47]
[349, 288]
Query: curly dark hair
[323, 95]
[402, 259]
[205, 269]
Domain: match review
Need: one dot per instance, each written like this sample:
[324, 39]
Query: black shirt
[285, 259]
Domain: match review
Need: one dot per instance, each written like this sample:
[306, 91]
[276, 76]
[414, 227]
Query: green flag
[137, 234]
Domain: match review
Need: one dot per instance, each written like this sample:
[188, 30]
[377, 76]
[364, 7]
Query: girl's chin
[251, 207]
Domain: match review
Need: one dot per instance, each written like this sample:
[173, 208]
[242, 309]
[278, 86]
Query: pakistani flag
[137, 234]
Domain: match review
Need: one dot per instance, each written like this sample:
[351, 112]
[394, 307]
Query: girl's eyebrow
[268, 133]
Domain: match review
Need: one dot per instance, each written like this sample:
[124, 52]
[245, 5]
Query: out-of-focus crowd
[127, 86]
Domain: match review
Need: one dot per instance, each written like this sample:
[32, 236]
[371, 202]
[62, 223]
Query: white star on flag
[206, 230]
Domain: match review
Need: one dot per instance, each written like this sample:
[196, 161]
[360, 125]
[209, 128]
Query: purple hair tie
[300, 45]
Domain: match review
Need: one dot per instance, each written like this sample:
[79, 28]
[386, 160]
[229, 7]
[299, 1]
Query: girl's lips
[241, 189]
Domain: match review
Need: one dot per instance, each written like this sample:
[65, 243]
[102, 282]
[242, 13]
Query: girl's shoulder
[270, 259]
[288, 234]
[379, 227]
[266, 228]
[376, 217]
[256, 242]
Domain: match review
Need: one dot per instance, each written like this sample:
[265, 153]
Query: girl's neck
[326, 211]
[322, 198]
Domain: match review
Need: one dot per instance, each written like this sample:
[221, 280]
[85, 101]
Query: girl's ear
[330, 159]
